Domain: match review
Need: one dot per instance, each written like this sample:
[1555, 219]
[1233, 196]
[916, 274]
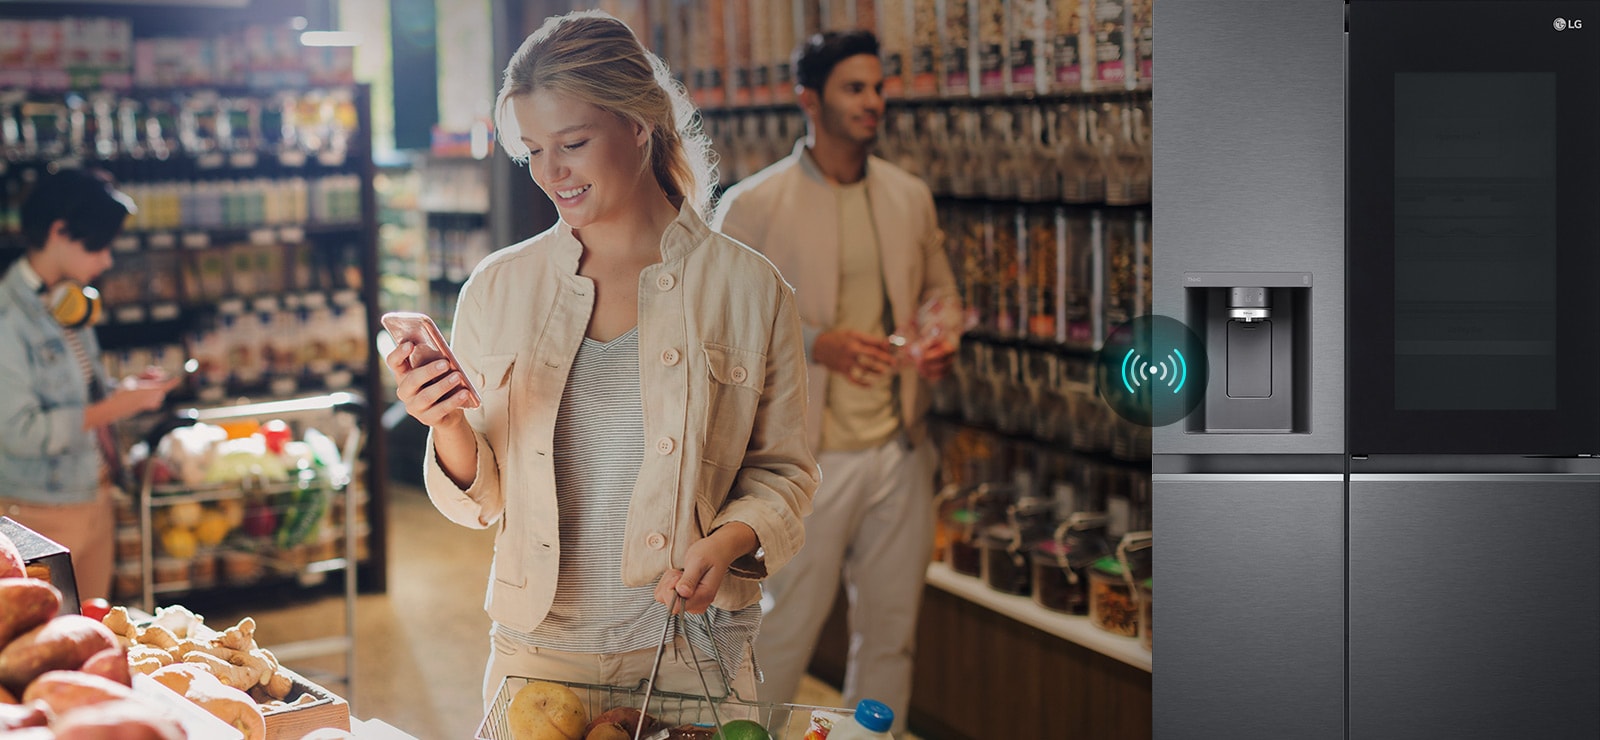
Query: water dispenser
[1256, 331]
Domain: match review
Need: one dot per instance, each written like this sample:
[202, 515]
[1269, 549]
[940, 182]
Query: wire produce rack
[783, 721]
[320, 485]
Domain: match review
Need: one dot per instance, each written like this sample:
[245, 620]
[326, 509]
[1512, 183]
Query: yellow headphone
[74, 305]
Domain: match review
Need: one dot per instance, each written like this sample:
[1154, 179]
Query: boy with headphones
[58, 404]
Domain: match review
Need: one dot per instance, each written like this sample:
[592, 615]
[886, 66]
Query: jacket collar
[683, 235]
[20, 290]
[808, 165]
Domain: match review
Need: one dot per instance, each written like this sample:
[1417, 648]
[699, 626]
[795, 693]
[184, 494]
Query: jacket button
[665, 281]
[670, 357]
[740, 374]
[656, 541]
[665, 445]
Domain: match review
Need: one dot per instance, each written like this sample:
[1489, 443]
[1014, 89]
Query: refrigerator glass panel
[1474, 229]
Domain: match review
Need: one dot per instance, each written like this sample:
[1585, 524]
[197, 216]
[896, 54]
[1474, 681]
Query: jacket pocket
[736, 378]
[493, 381]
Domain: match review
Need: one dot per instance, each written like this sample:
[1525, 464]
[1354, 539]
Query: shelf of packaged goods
[1074, 629]
[947, 101]
[1041, 445]
[1071, 208]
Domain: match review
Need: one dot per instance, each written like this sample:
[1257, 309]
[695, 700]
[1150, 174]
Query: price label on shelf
[196, 240]
[262, 237]
[331, 158]
[125, 243]
[164, 312]
[210, 161]
[265, 304]
[129, 314]
[161, 240]
[242, 160]
[291, 235]
[292, 158]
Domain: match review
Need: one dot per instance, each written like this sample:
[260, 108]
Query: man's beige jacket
[789, 212]
[722, 374]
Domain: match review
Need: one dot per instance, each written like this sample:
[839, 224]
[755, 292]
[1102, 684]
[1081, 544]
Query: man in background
[860, 241]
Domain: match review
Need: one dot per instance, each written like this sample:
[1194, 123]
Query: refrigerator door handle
[1477, 477]
[1249, 477]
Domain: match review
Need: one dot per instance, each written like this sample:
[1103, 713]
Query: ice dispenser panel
[1256, 331]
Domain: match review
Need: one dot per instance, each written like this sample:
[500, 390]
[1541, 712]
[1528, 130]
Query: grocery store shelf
[1021, 608]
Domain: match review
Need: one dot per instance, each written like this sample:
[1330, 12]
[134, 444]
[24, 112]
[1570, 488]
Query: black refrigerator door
[1472, 606]
[1474, 227]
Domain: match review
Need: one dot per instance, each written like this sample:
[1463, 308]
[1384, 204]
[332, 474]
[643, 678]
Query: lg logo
[1562, 24]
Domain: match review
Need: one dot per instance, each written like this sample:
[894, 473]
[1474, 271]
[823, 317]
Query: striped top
[599, 447]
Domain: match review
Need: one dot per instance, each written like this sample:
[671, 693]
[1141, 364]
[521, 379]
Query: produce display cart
[294, 509]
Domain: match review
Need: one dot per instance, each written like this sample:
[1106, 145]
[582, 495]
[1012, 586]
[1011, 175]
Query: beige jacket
[789, 212]
[722, 375]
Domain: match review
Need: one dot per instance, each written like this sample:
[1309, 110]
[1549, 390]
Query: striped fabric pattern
[599, 447]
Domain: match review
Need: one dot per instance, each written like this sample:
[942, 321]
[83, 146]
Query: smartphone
[428, 345]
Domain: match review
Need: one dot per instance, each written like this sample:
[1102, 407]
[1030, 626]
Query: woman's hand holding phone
[432, 392]
[432, 384]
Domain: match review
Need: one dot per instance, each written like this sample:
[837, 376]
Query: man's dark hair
[91, 207]
[816, 58]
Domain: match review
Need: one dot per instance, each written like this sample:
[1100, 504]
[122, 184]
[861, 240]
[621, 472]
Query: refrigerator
[1382, 220]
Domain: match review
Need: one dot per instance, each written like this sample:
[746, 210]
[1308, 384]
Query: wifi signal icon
[1171, 371]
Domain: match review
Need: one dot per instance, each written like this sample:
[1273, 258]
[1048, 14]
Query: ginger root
[238, 677]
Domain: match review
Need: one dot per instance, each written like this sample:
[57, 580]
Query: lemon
[742, 729]
[179, 542]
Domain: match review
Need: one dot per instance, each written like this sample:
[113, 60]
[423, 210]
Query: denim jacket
[46, 456]
[722, 374]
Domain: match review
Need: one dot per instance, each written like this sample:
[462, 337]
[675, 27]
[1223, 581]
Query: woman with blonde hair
[640, 443]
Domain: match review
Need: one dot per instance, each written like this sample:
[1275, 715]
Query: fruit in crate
[179, 542]
[212, 528]
[260, 520]
[232, 510]
[186, 514]
[542, 710]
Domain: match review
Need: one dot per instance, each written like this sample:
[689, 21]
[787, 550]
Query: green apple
[742, 729]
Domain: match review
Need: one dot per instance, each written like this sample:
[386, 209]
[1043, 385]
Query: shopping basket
[783, 721]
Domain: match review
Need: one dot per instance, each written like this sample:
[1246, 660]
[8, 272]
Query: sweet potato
[18, 716]
[32, 733]
[25, 603]
[11, 563]
[123, 719]
[6, 697]
[63, 643]
[110, 663]
[64, 691]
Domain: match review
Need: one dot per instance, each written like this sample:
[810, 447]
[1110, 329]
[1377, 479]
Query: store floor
[421, 646]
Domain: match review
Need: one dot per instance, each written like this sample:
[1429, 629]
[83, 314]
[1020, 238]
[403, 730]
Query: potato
[546, 711]
[11, 562]
[124, 719]
[18, 716]
[64, 691]
[63, 643]
[6, 697]
[25, 603]
[110, 663]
